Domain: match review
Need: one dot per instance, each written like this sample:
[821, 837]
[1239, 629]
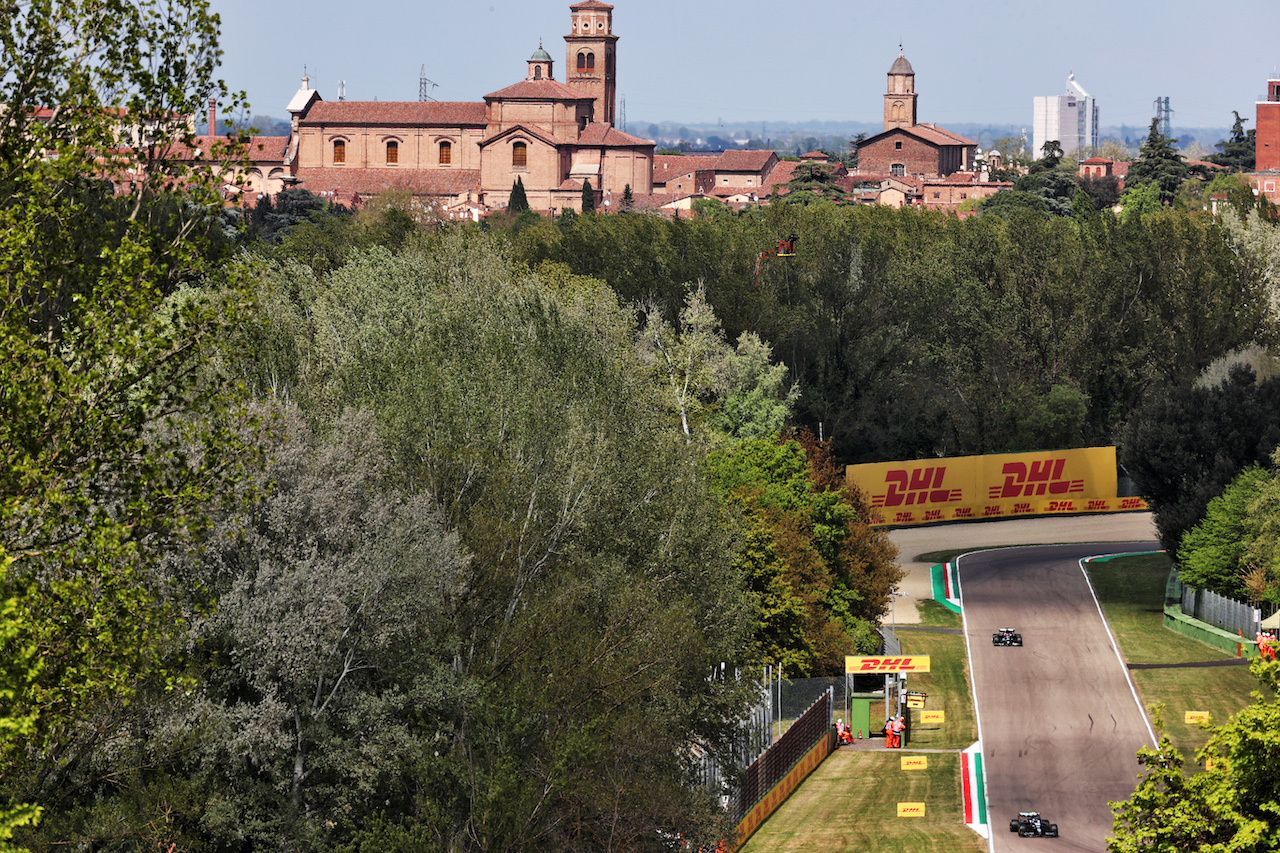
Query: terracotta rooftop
[941, 136]
[743, 161]
[538, 90]
[667, 166]
[598, 133]
[421, 113]
[591, 4]
[260, 149]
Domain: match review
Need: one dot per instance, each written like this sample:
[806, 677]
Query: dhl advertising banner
[864, 666]
[1003, 485]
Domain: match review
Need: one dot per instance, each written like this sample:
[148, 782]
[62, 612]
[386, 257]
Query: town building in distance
[1071, 119]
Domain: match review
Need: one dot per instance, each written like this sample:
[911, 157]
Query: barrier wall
[1002, 485]
[778, 794]
[1176, 620]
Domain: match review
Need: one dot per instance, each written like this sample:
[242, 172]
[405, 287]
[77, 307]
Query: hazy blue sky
[690, 61]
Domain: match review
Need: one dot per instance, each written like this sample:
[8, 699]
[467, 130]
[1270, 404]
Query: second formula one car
[1031, 825]
[1006, 637]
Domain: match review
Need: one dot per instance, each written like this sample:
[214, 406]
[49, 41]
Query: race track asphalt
[1059, 721]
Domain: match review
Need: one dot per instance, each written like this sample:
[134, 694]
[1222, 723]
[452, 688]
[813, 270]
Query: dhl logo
[910, 809]
[1060, 506]
[918, 762]
[1098, 506]
[1195, 717]
[933, 717]
[1035, 480]
[913, 487]
[1133, 503]
[914, 663]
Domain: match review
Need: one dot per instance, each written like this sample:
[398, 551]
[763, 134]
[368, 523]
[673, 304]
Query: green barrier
[1224, 641]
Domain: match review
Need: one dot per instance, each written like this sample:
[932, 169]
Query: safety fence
[1236, 617]
[769, 769]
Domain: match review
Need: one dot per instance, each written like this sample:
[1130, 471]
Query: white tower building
[1072, 119]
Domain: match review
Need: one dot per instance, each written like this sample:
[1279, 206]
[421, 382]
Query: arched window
[446, 153]
[582, 62]
[537, 72]
[393, 152]
[591, 62]
[519, 155]
[339, 151]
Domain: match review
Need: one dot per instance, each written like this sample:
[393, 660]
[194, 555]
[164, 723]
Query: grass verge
[1131, 591]
[850, 805]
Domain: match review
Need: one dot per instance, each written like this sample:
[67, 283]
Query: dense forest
[353, 531]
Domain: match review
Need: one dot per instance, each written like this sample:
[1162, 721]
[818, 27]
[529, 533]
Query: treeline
[912, 333]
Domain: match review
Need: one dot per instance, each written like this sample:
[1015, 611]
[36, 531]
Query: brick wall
[917, 157]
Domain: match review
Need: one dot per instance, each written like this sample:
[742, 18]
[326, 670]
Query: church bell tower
[590, 57]
[900, 100]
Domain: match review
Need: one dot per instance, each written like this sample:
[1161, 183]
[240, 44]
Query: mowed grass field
[1131, 591]
[850, 803]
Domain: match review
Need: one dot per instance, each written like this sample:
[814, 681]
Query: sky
[760, 61]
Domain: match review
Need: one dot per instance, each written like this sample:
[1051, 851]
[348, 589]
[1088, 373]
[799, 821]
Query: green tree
[813, 182]
[599, 587]
[115, 432]
[588, 197]
[1158, 164]
[1140, 201]
[1238, 152]
[1233, 804]
[1185, 444]
[1214, 554]
[17, 720]
[628, 199]
[519, 202]
[819, 573]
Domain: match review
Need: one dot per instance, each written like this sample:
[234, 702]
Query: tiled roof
[1095, 161]
[814, 155]
[779, 176]
[591, 4]
[370, 182]
[260, 149]
[267, 147]
[598, 133]
[901, 66]
[420, 113]
[538, 90]
[743, 161]
[668, 166]
[946, 136]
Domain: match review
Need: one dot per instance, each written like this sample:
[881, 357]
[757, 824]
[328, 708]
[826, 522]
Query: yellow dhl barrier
[1003, 485]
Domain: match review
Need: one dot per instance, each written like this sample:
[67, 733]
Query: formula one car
[1006, 637]
[1031, 825]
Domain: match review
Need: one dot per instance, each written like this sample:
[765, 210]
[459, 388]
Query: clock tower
[590, 57]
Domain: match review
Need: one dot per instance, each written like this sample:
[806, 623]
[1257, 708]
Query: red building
[1268, 129]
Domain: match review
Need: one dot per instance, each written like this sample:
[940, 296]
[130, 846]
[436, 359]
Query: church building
[552, 136]
[906, 148]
